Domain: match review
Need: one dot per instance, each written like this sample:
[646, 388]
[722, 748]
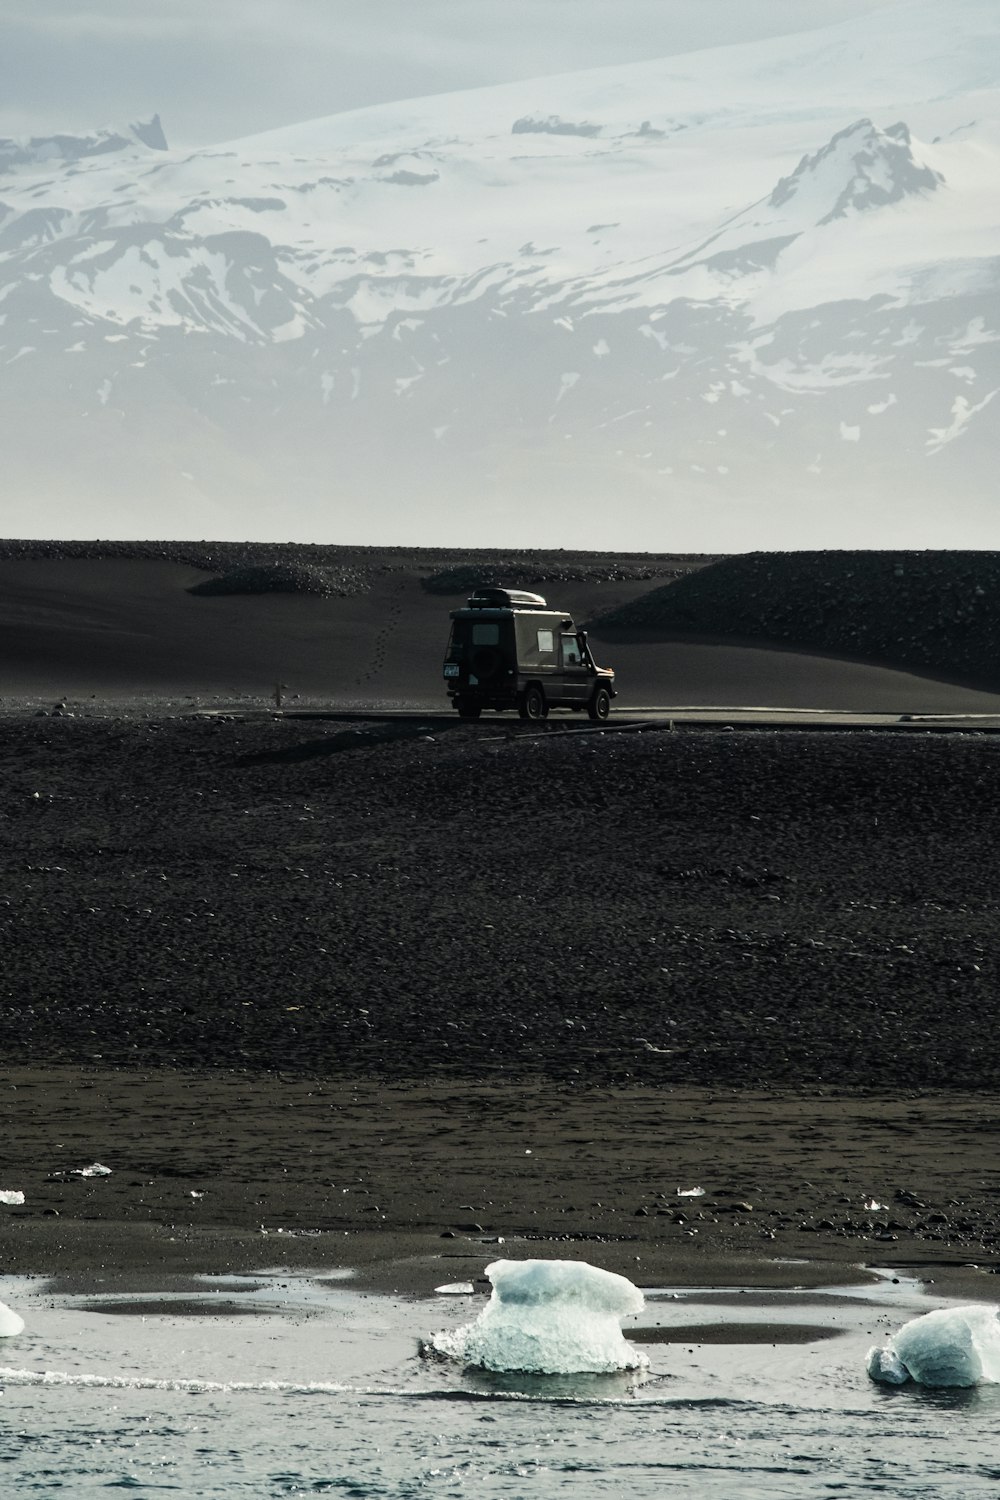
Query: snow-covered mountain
[739, 298]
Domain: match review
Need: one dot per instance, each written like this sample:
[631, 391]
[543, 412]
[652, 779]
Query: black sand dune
[933, 612]
[117, 627]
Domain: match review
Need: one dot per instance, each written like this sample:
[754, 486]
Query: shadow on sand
[358, 738]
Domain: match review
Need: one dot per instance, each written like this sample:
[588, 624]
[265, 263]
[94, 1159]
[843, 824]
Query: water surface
[302, 1386]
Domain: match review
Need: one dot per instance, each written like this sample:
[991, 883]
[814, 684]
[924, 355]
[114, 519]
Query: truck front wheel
[600, 704]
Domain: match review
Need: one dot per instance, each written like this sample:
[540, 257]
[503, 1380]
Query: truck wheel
[468, 710]
[600, 704]
[533, 705]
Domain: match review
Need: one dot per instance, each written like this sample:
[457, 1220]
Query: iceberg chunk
[549, 1317]
[10, 1324]
[958, 1346]
[885, 1366]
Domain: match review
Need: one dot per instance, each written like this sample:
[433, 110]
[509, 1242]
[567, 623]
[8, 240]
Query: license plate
[451, 669]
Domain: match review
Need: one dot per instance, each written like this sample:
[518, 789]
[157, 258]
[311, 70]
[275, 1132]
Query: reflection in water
[617, 1385]
[983, 1399]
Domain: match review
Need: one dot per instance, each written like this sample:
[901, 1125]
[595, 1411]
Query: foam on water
[958, 1346]
[13, 1377]
[549, 1317]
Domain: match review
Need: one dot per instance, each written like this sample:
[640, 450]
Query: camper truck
[509, 649]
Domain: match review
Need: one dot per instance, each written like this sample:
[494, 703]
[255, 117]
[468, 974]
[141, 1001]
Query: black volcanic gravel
[400, 900]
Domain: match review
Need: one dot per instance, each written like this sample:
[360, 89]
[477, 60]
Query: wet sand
[414, 1184]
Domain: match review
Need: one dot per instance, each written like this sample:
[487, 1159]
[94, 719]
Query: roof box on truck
[506, 599]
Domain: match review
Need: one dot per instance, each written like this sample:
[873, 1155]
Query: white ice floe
[957, 1346]
[549, 1317]
[94, 1170]
[10, 1324]
[11, 1196]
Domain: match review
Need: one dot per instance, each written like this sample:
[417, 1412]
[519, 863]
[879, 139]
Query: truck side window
[571, 653]
[546, 643]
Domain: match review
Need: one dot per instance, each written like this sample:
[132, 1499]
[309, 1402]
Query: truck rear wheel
[533, 705]
[468, 710]
[600, 704]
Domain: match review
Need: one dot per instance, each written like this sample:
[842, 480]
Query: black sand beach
[385, 994]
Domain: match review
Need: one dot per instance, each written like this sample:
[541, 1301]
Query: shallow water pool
[302, 1386]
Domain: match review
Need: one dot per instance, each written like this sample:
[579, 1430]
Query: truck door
[577, 678]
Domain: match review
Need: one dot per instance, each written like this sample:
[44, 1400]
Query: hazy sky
[218, 69]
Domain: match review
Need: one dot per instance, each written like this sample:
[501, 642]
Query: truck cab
[509, 650]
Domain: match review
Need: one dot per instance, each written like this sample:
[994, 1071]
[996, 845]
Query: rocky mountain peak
[860, 168]
[18, 151]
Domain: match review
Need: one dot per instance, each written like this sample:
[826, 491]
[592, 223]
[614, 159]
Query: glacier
[957, 1346]
[742, 298]
[549, 1317]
